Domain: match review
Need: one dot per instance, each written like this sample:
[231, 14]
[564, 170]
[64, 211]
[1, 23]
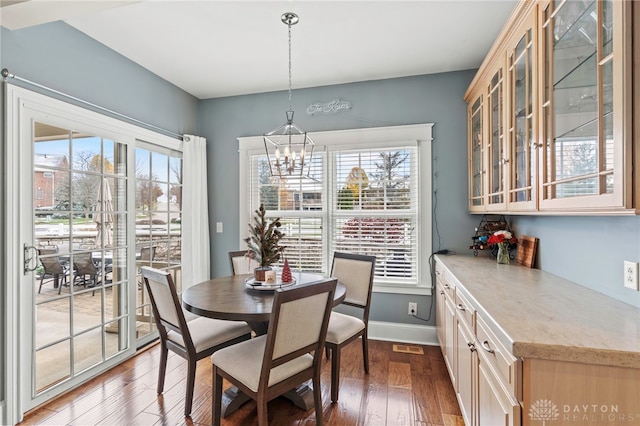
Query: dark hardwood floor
[400, 389]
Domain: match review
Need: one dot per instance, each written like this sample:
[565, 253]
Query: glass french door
[89, 200]
[78, 290]
[158, 225]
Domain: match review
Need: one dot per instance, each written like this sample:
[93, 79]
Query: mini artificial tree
[264, 242]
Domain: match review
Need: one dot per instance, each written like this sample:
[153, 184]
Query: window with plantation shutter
[374, 209]
[370, 193]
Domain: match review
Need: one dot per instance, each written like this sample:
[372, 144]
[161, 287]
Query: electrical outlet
[413, 308]
[219, 227]
[631, 275]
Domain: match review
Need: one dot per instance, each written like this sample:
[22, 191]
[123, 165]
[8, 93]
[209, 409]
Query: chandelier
[289, 149]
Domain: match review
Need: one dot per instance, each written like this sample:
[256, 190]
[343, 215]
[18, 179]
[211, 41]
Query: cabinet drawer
[445, 281]
[505, 365]
[465, 311]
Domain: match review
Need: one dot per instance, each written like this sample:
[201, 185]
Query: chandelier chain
[289, 25]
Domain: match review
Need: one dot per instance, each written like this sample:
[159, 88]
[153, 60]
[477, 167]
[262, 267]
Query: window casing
[370, 194]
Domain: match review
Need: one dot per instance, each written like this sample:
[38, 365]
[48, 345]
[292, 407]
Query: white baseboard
[403, 333]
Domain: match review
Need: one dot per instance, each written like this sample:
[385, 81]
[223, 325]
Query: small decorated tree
[263, 243]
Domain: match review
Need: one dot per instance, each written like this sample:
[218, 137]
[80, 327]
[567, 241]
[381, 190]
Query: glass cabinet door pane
[496, 142]
[477, 181]
[521, 117]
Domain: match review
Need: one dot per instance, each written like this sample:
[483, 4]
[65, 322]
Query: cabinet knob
[460, 307]
[447, 286]
[472, 346]
[442, 292]
[486, 347]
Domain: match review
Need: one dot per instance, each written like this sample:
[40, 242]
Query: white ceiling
[225, 48]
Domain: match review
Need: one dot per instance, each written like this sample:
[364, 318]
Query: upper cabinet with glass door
[585, 116]
[477, 190]
[496, 146]
[521, 65]
[567, 142]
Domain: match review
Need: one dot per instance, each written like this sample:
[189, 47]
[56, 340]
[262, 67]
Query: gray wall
[60, 57]
[587, 250]
[433, 98]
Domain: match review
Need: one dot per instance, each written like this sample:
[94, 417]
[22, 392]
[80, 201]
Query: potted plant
[263, 243]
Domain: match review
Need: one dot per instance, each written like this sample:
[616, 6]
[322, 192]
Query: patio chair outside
[53, 268]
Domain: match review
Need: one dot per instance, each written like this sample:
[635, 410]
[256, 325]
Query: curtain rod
[6, 75]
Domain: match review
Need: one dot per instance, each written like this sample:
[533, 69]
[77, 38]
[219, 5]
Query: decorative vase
[503, 254]
[258, 273]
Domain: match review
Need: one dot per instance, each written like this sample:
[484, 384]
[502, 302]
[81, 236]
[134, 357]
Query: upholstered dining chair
[288, 355]
[355, 272]
[52, 267]
[240, 264]
[192, 340]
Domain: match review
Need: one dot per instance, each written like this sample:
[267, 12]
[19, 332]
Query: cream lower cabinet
[445, 321]
[578, 357]
[485, 377]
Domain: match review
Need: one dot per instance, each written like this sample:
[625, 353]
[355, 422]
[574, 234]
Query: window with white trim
[369, 194]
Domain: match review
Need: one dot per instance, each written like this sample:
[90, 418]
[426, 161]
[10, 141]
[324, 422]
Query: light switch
[219, 227]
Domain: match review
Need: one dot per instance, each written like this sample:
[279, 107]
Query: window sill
[397, 289]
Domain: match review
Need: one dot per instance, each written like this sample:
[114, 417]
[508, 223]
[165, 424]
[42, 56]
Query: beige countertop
[539, 315]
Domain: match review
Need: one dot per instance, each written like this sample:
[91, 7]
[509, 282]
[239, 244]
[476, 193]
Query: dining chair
[53, 268]
[355, 272]
[287, 356]
[240, 264]
[192, 340]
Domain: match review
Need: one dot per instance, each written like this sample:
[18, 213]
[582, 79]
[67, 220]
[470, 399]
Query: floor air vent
[417, 350]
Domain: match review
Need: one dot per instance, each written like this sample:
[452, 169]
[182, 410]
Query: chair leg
[60, 283]
[216, 402]
[335, 373]
[191, 382]
[326, 352]
[317, 396]
[163, 366]
[365, 352]
[41, 279]
[263, 418]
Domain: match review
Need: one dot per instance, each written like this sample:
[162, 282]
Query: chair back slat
[355, 272]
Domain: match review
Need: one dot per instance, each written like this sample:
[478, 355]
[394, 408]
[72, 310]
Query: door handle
[30, 253]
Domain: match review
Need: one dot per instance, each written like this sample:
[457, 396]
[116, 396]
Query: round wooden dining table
[230, 298]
